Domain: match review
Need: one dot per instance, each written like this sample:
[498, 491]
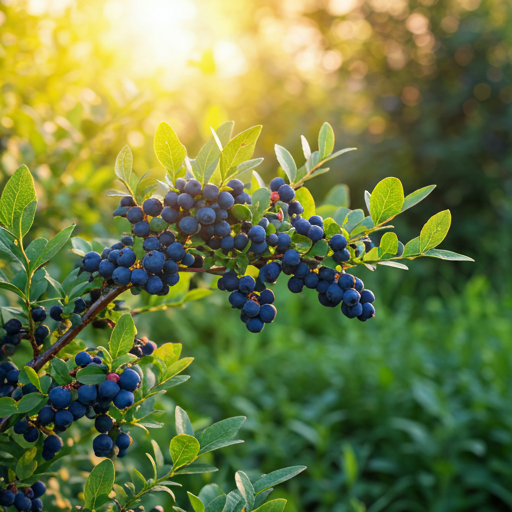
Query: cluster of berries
[74, 401]
[14, 333]
[9, 375]
[253, 299]
[24, 499]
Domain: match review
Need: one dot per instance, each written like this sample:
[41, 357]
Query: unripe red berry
[114, 377]
[274, 196]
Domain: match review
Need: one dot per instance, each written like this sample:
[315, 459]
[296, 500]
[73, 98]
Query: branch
[72, 333]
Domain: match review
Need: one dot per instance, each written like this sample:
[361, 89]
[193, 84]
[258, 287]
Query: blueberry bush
[211, 222]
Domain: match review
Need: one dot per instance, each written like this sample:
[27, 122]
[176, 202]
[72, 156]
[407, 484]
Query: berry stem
[71, 334]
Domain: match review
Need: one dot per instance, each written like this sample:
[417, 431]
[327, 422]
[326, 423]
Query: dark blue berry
[87, 394]
[37, 505]
[237, 186]
[193, 187]
[210, 192]
[295, 284]
[21, 502]
[302, 270]
[243, 198]
[41, 333]
[214, 243]
[338, 243]
[126, 257]
[77, 409]
[103, 423]
[221, 215]
[31, 434]
[171, 199]
[113, 255]
[129, 380]
[83, 358]
[272, 240]
[259, 248]
[322, 286]
[188, 260]
[327, 274]
[122, 276]
[46, 415]
[291, 257]
[124, 399]
[170, 267]
[251, 308]
[154, 261]
[105, 253]
[286, 193]
[170, 280]
[352, 312]
[276, 184]
[237, 299]
[141, 229]
[225, 200]
[295, 208]
[266, 297]
[7, 498]
[230, 281]
[20, 426]
[39, 489]
[227, 243]
[267, 313]
[135, 215]
[127, 240]
[152, 207]
[56, 312]
[185, 201]
[63, 418]
[346, 281]
[176, 251]
[167, 238]
[170, 215]
[127, 201]
[222, 229]
[106, 269]
[123, 440]
[351, 297]
[139, 277]
[108, 389]
[246, 284]
[52, 444]
[316, 220]
[359, 285]
[148, 348]
[302, 226]
[189, 225]
[334, 293]
[80, 306]
[283, 241]
[368, 311]
[38, 314]
[315, 233]
[257, 234]
[206, 216]
[367, 296]
[102, 445]
[154, 285]
[91, 261]
[341, 256]
[117, 246]
[255, 325]
[59, 397]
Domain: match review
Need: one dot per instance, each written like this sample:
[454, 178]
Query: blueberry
[338, 243]
[221, 215]
[170, 215]
[52, 444]
[311, 280]
[295, 284]
[255, 325]
[176, 251]
[21, 502]
[276, 184]
[77, 409]
[257, 234]
[237, 299]
[237, 186]
[106, 269]
[7, 498]
[251, 308]
[193, 187]
[302, 270]
[341, 256]
[302, 226]
[103, 423]
[211, 192]
[13, 376]
[206, 232]
[266, 297]
[124, 399]
[46, 415]
[283, 241]
[259, 248]
[295, 208]
[108, 389]
[152, 207]
[367, 296]
[87, 394]
[272, 240]
[171, 199]
[327, 274]
[227, 243]
[148, 348]
[359, 285]
[123, 440]
[21, 426]
[113, 255]
[13, 326]
[122, 276]
[139, 277]
[135, 215]
[291, 257]
[91, 261]
[368, 311]
[315, 233]
[206, 216]
[105, 253]
[153, 262]
[96, 360]
[166, 238]
[117, 246]
[127, 201]
[126, 257]
[63, 418]
[188, 260]
[214, 243]
[170, 280]
[38, 314]
[230, 281]
[185, 201]
[267, 313]
[129, 380]
[127, 240]
[222, 229]
[346, 281]
[80, 306]
[37, 505]
[170, 267]
[189, 225]
[102, 445]
[41, 333]
[47, 455]
[154, 285]
[334, 293]
[225, 200]
[316, 220]
[351, 297]
[352, 312]
[286, 193]
[322, 286]
[39, 489]
[59, 397]
[141, 229]
[322, 298]
[82, 359]
[246, 284]
[243, 198]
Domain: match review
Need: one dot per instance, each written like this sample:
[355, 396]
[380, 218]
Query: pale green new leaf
[286, 162]
[183, 424]
[387, 200]
[169, 150]
[27, 464]
[53, 246]
[99, 483]
[10, 287]
[196, 503]
[272, 506]
[184, 449]
[325, 141]
[388, 244]
[277, 477]
[224, 430]
[415, 197]
[238, 150]
[435, 230]
[447, 255]
[33, 377]
[304, 196]
[121, 339]
[124, 166]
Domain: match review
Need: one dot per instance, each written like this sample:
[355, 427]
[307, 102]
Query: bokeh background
[410, 412]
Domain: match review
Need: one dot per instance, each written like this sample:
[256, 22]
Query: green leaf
[123, 334]
[394, 264]
[331, 228]
[272, 506]
[144, 189]
[286, 162]
[99, 483]
[225, 131]
[238, 150]
[217, 505]
[39, 284]
[35, 248]
[415, 197]
[18, 202]
[277, 477]
[183, 425]
[8, 407]
[325, 140]
[10, 287]
[353, 219]
[196, 503]
[261, 200]
[338, 153]
[249, 165]
[246, 489]
[195, 468]
[91, 375]
[207, 160]
[27, 464]
[301, 243]
[169, 150]
[447, 255]
[124, 166]
[387, 200]
[367, 200]
[53, 246]
[412, 247]
[184, 449]
[80, 246]
[339, 196]
[120, 360]
[305, 147]
[388, 244]
[224, 430]
[31, 401]
[241, 212]
[303, 195]
[435, 230]
[138, 479]
[321, 248]
[60, 372]
[209, 492]
[33, 377]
